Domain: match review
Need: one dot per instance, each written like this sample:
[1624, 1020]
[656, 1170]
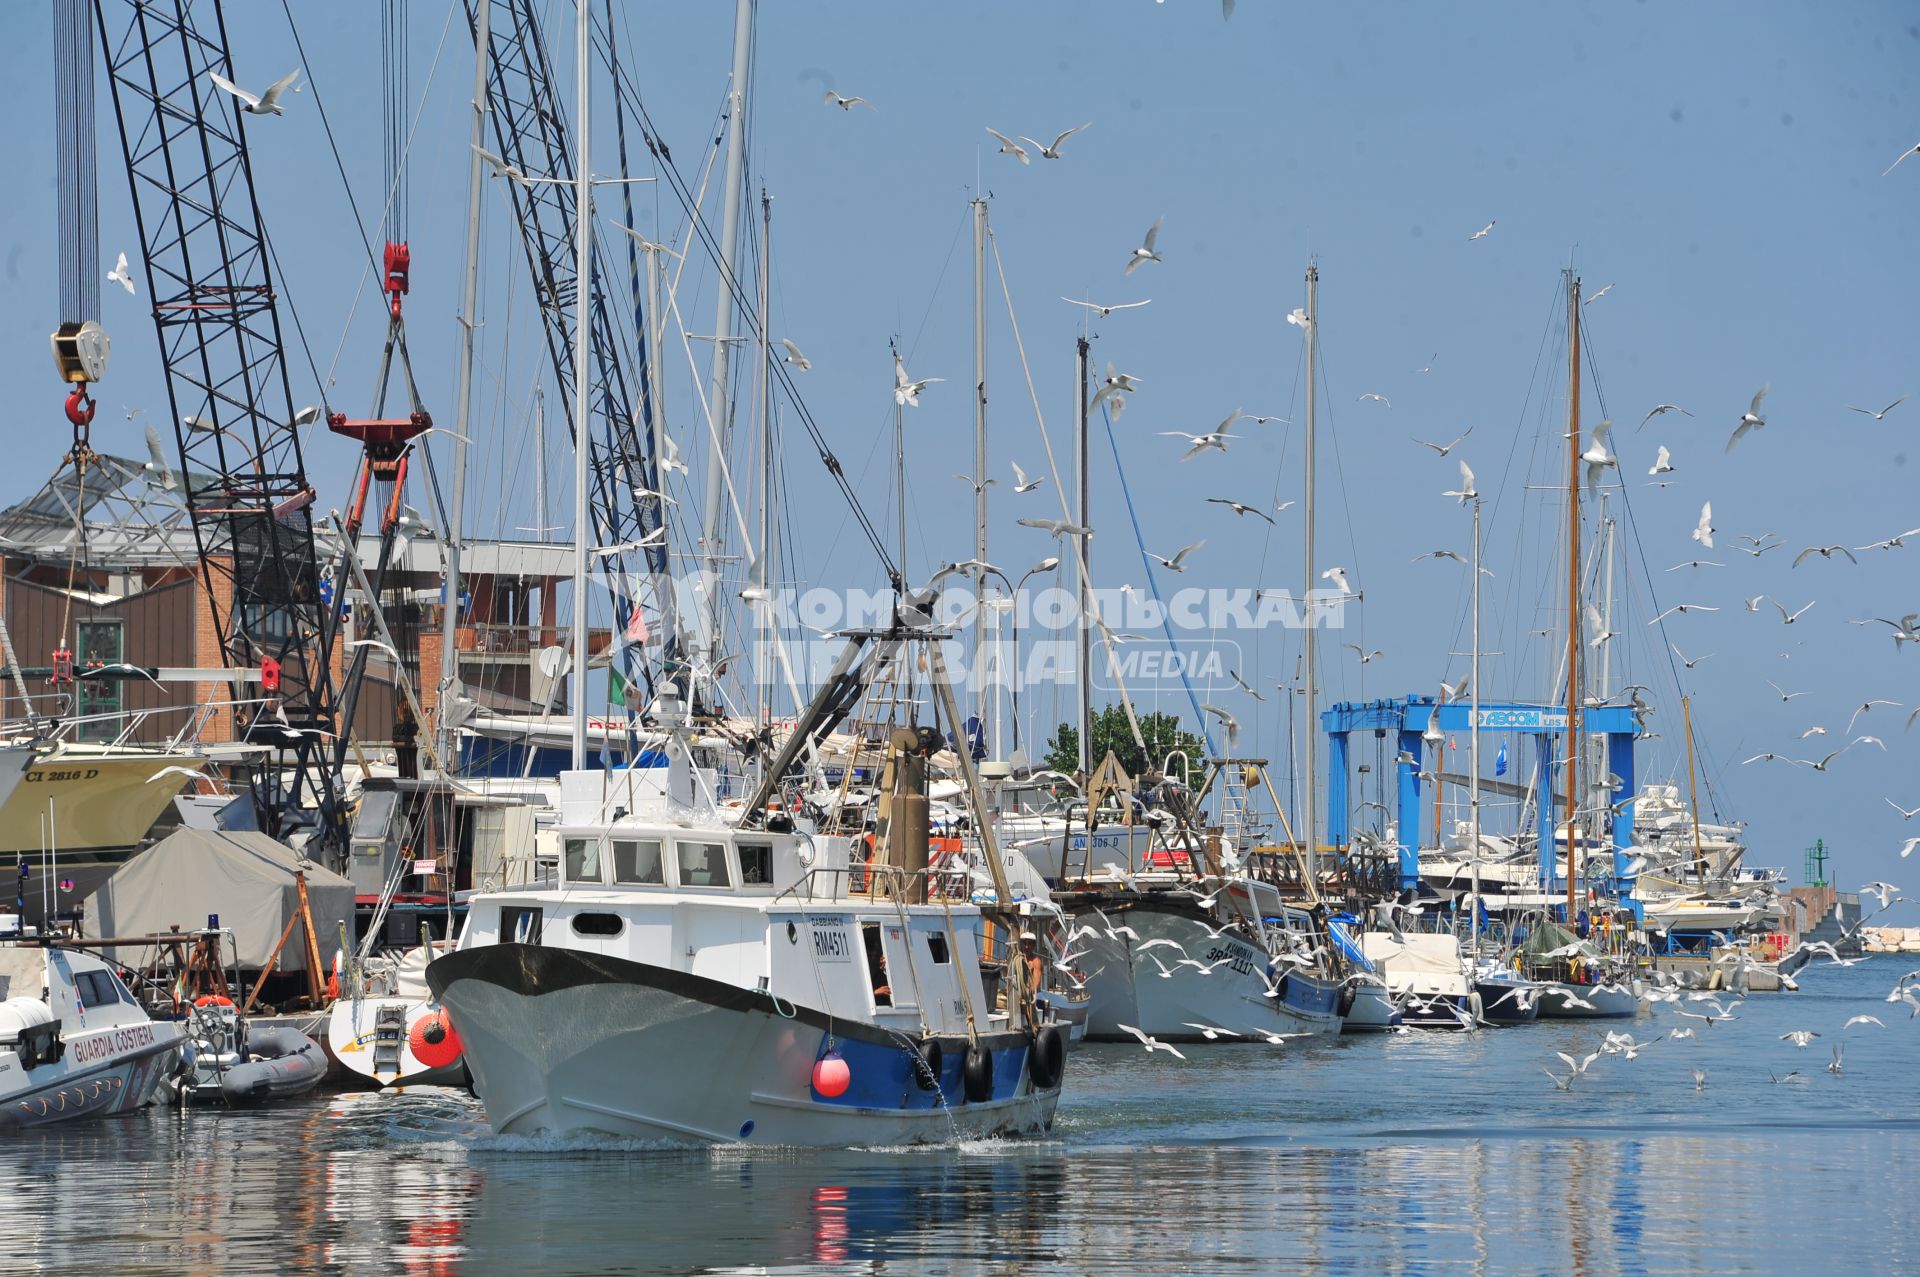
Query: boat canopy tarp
[1545, 937]
[246, 878]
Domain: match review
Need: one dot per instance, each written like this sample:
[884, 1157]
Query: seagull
[1788, 618]
[158, 467]
[847, 104]
[1794, 1076]
[1867, 708]
[1115, 384]
[1160, 942]
[907, 392]
[1699, 1079]
[1104, 311]
[1152, 1043]
[1825, 552]
[1683, 609]
[978, 485]
[1657, 410]
[1785, 695]
[1453, 692]
[1914, 150]
[1282, 509]
[799, 361]
[1339, 578]
[1799, 1037]
[1596, 456]
[1057, 527]
[1863, 1019]
[1210, 1031]
[1835, 1065]
[1751, 418]
[1215, 442]
[1865, 412]
[1815, 730]
[1021, 483]
[191, 773]
[1383, 399]
[1881, 889]
[1227, 721]
[1662, 464]
[1600, 634]
[1753, 604]
[119, 275]
[1010, 147]
[1146, 253]
[1481, 233]
[1364, 655]
[372, 642]
[1695, 563]
[1904, 813]
[1597, 296]
[1703, 531]
[1241, 683]
[267, 103]
[1455, 555]
[1466, 490]
[1238, 508]
[1298, 318]
[1442, 449]
[1892, 542]
[1178, 563]
[1578, 1066]
[1051, 151]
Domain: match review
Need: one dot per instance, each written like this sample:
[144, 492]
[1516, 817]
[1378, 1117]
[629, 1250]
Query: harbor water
[1411, 1153]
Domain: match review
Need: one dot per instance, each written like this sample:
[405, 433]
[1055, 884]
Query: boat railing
[127, 723]
[936, 884]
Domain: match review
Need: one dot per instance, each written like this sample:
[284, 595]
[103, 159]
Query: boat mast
[763, 682]
[463, 401]
[1473, 740]
[713, 528]
[980, 460]
[1693, 794]
[1573, 592]
[900, 460]
[582, 388]
[1309, 736]
[1082, 570]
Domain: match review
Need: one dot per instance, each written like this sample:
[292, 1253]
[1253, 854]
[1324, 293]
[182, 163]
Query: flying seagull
[1104, 311]
[1751, 418]
[906, 391]
[1683, 609]
[1339, 578]
[1227, 721]
[1383, 399]
[1023, 484]
[1178, 563]
[1482, 233]
[1051, 151]
[1786, 617]
[1146, 251]
[1152, 1043]
[1242, 684]
[1057, 527]
[1662, 464]
[1239, 508]
[1466, 490]
[1597, 296]
[1442, 448]
[267, 103]
[1657, 410]
[120, 276]
[847, 104]
[1825, 552]
[800, 362]
[1865, 412]
[1010, 147]
[1703, 530]
[1364, 655]
[1215, 442]
[1912, 150]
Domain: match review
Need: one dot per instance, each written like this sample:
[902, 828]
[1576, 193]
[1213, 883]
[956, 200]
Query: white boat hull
[372, 1038]
[1605, 1001]
[1150, 991]
[109, 1070]
[561, 1042]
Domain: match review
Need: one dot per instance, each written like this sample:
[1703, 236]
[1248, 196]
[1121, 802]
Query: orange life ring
[212, 1000]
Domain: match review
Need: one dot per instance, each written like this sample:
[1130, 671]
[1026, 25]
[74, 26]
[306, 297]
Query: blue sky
[1719, 165]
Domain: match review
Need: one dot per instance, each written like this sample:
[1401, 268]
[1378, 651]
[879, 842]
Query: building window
[756, 864]
[100, 643]
[702, 864]
[583, 860]
[639, 861]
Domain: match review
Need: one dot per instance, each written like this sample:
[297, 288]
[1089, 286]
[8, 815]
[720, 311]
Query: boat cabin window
[583, 860]
[519, 924]
[756, 864]
[937, 946]
[876, 964]
[598, 924]
[97, 988]
[638, 860]
[702, 864]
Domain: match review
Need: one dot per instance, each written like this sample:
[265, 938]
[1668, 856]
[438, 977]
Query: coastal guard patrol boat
[690, 979]
[73, 1041]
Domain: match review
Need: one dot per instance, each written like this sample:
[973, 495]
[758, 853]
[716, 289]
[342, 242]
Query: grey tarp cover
[245, 877]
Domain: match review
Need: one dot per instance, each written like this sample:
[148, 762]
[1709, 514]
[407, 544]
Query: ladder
[389, 1033]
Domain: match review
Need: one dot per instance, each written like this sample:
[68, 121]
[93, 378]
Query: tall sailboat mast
[1310, 731]
[1473, 741]
[980, 461]
[582, 386]
[449, 737]
[1574, 737]
[713, 525]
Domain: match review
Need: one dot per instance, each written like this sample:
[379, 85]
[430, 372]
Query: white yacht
[689, 979]
[73, 1041]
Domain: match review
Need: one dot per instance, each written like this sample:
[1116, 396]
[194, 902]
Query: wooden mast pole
[1573, 595]
[1693, 792]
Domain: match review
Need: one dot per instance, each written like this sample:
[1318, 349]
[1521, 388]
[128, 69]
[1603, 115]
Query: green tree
[1162, 732]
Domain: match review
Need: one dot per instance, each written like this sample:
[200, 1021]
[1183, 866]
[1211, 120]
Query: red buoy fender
[433, 1040]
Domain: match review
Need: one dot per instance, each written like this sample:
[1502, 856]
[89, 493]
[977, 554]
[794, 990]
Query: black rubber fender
[1047, 1058]
[926, 1070]
[1348, 993]
[976, 1074]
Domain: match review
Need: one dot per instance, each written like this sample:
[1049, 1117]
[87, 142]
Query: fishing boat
[73, 1040]
[685, 978]
[1427, 975]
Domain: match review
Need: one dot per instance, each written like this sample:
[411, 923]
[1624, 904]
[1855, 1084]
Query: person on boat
[406, 740]
[1035, 968]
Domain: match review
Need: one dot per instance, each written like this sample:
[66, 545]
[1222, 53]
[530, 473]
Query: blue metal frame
[1408, 719]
